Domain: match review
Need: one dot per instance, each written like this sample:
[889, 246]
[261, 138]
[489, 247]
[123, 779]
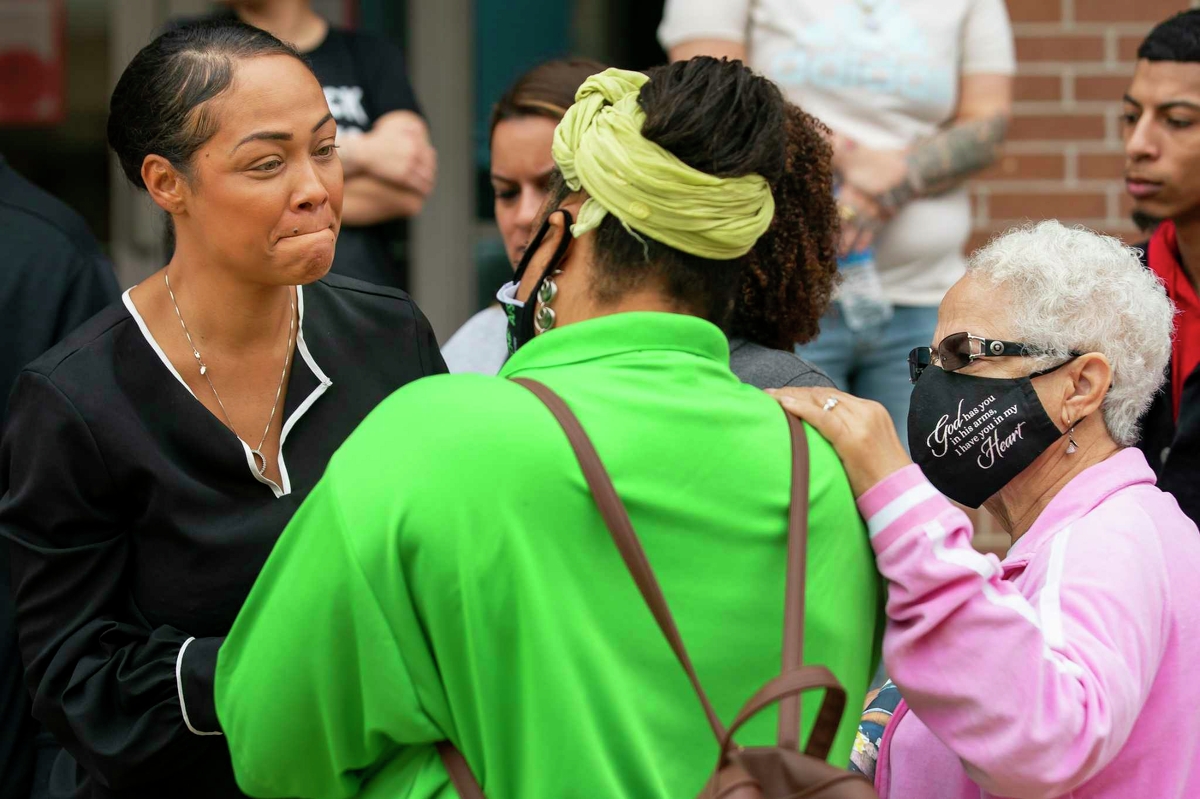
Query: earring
[1072, 447]
[545, 317]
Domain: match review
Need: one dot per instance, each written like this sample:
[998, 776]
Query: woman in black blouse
[151, 459]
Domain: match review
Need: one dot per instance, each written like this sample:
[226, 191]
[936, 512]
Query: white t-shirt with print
[885, 73]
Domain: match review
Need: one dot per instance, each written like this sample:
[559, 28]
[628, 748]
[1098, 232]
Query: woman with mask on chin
[787, 277]
[151, 460]
[522, 130]
[471, 591]
[1064, 670]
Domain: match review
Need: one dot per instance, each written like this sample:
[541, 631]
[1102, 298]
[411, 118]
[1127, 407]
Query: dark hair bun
[157, 105]
[716, 116]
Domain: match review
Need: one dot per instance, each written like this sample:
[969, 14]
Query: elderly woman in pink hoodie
[1068, 669]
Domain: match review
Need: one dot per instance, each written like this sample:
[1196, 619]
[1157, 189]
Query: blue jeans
[873, 363]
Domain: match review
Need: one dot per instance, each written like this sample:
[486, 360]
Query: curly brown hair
[788, 278]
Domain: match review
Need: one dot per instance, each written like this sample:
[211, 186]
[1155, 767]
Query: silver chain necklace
[260, 460]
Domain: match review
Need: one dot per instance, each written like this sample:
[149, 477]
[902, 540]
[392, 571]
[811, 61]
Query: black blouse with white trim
[137, 524]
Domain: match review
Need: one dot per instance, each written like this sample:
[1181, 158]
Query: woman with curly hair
[520, 133]
[788, 278]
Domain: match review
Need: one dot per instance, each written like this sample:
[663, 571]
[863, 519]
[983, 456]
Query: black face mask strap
[535, 243]
[526, 314]
[1072, 447]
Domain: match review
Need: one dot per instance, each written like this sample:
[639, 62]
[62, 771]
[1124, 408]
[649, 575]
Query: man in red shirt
[1161, 126]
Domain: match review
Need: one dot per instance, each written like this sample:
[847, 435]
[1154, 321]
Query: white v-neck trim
[323, 385]
[162, 356]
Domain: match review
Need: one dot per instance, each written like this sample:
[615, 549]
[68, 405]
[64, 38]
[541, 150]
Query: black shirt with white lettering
[364, 77]
[136, 524]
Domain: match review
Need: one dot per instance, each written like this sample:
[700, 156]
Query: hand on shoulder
[861, 431]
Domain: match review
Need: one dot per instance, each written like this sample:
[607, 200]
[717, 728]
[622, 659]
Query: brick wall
[1063, 158]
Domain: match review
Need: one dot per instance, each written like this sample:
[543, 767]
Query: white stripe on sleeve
[179, 688]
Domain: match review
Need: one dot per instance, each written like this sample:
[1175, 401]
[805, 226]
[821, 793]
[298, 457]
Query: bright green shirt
[450, 577]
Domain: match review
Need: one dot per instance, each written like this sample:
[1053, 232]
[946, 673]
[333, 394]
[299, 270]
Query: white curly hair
[1075, 289]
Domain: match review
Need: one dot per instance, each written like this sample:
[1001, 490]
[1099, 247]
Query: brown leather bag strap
[793, 604]
[792, 684]
[617, 519]
[460, 773]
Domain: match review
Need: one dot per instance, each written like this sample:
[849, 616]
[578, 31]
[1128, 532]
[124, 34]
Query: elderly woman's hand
[860, 430]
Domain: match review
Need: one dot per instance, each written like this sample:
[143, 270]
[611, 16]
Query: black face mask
[972, 435]
[521, 314]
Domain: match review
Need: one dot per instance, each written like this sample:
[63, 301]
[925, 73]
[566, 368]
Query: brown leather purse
[764, 772]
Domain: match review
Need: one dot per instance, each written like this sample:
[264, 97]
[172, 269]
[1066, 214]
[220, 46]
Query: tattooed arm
[970, 143]
[943, 161]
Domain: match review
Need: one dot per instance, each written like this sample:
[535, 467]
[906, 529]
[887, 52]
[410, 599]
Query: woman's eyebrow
[277, 135]
[263, 135]
[544, 176]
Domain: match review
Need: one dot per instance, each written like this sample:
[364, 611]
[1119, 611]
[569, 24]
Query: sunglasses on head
[961, 349]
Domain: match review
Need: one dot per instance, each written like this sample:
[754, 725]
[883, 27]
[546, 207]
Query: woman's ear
[164, 183]
[573, 202]
[1089, 379]
[541, 257]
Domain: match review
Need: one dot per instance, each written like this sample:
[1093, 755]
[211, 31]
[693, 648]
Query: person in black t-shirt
[52, 279]
[390, 165]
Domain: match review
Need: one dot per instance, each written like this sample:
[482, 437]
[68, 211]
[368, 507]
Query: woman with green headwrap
[451, 578]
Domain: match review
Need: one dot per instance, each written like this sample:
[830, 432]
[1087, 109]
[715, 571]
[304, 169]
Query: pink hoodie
[1070, 669]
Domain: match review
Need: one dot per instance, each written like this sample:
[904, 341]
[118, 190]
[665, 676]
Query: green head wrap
[599, 147]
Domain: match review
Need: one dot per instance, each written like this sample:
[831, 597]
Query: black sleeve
[88, 285]
[71, 286]
[103, 683]
[92, 288]
[17, 729]
[432, 362]
[384, 75]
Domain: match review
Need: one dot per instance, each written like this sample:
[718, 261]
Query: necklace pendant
[203, 369]
[260, 462]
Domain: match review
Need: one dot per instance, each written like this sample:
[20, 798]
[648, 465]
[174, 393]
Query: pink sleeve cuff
[896, 504]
